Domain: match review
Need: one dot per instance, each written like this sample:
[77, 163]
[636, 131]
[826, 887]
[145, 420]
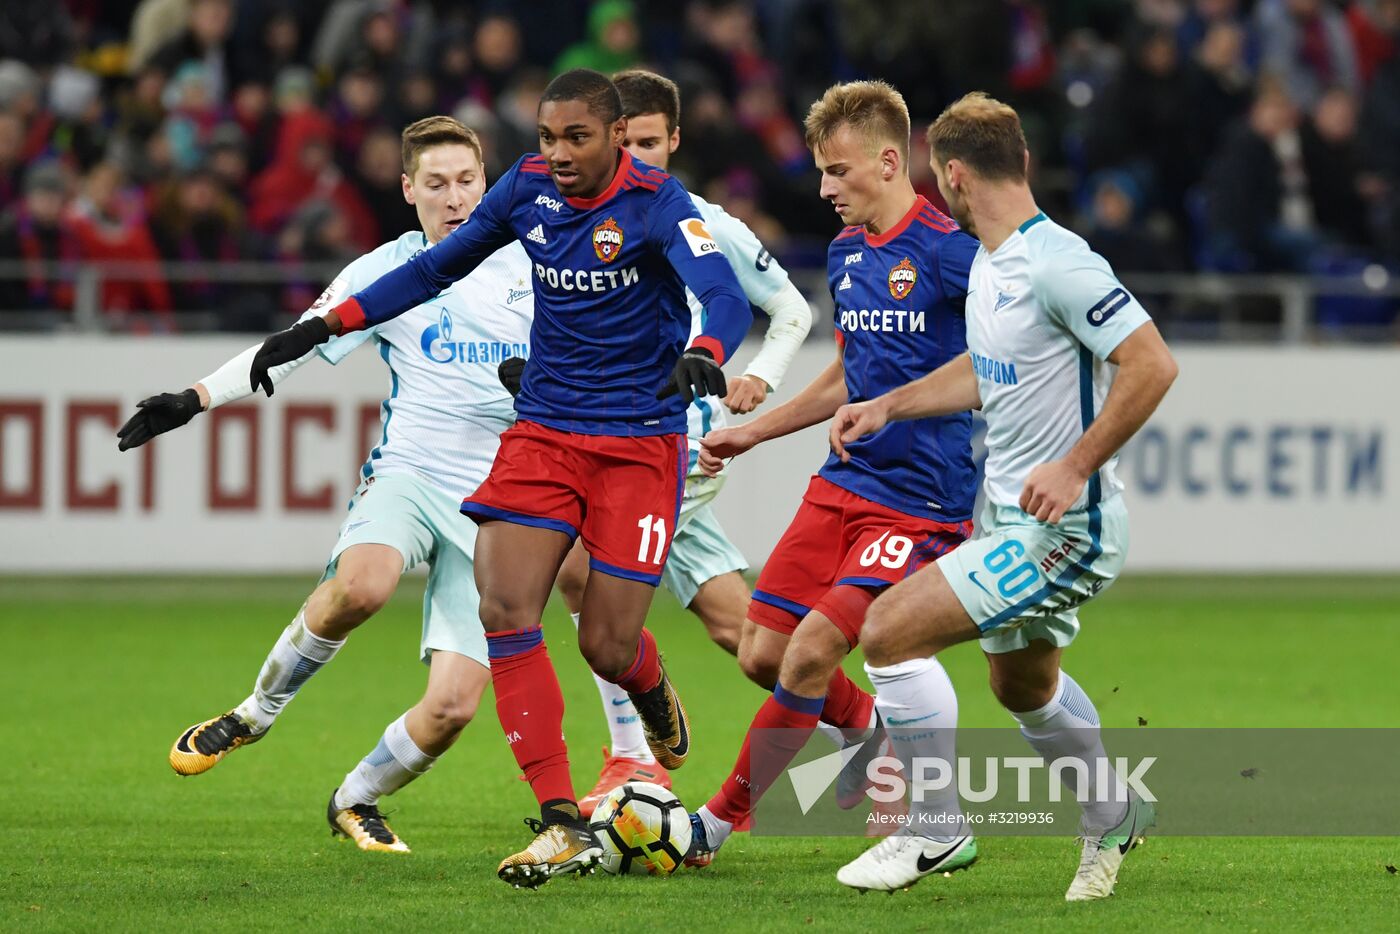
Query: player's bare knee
[758, 666]
[880, 652]
[880, 635]
[1021, 690]
[607, 656]
[807, 664]
[357, 594]
[451, 712]
[497, 615]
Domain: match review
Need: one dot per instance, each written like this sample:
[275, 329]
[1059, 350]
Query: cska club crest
[902, 279]
[607, 240]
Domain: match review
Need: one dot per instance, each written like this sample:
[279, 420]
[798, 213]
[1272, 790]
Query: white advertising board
[1261, 459]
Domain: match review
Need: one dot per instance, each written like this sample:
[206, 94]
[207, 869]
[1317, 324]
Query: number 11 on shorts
[650, 525]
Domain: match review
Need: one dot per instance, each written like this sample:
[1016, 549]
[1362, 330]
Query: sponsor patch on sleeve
[332, 295]
[1108, 306]
[698, 237]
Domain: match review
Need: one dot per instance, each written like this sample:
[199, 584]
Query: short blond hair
[873, 110]
[984, 134]
[435, 131]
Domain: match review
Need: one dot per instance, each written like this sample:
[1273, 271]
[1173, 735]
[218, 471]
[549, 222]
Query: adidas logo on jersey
[537, 235]
[845, 282]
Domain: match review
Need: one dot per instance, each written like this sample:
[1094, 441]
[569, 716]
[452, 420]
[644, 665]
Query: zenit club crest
[902, 279]
[607, 240]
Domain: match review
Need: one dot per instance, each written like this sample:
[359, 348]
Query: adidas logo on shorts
[536, 235]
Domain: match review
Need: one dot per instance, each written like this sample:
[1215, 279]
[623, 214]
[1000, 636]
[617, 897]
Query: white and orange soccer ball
[643, 829]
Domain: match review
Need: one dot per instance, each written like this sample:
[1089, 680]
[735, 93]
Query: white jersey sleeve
[229, 383]
[790, 318]
[1077, 288]
[766, 285]
[762, 279]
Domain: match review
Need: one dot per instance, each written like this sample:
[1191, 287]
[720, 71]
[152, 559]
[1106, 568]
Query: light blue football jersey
[1044, 312]
[446, 407]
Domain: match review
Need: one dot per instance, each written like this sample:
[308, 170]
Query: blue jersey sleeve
[428, 273]
[677, 228]
[955, 253]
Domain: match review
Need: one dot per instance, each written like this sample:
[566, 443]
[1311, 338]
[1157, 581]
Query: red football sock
[779, 730]
[847, 706]
[531, 709]
[645, 671]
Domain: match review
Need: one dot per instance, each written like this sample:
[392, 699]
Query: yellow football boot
[365, 825]
[201, 747]
[664, 722]
[556, 849]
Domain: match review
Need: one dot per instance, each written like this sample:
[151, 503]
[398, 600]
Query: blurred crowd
[1175, 135]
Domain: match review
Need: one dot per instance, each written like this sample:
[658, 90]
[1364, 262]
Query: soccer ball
[642, 828]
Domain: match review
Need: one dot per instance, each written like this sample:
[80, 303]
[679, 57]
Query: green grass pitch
[102, 674]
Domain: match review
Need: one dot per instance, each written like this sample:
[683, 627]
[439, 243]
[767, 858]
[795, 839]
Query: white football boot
[903, 858]
[1102, 854]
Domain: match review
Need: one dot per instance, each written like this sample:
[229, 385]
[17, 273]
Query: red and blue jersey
[609, 277]
[899, 316]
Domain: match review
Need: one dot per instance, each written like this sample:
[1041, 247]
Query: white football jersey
[1043, 313]
[446, 407]
[759, 275]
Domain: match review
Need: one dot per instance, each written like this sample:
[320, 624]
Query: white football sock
[1068, 727]
[297, 655]
[916, 701]
[624, 725]
[716, 830]
[393, 763]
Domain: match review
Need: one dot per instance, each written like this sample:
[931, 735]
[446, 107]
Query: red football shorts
[840, 539]
[621, 495]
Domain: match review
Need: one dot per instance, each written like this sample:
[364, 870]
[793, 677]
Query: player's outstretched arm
[424, 276]
[407, 286]
[812, 406]
[170, 410]
[1146, 370]
[947, 390]
[790, 319]
[156, 415]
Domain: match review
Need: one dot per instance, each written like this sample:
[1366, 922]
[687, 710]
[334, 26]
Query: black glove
[284, 347]
[156, 416]
[696, 374]
[509, 373]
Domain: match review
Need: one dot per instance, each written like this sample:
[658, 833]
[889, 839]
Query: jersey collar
[623, 165]
[881, 239]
